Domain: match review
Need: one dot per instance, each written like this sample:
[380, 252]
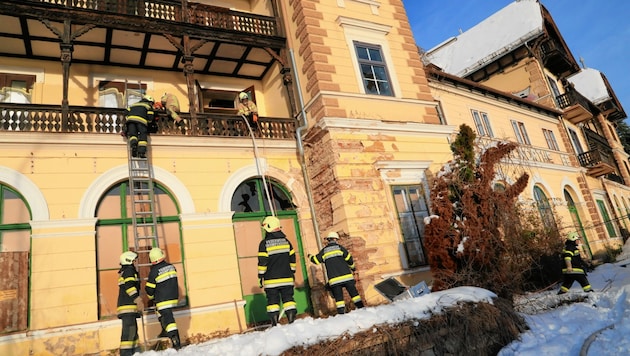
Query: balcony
[145, 34]
[598, 161]
[556, 59]
[576, 107]
[97, 120]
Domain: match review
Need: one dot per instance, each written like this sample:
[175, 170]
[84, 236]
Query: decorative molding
[29, 190]
[376, 127]
[95, 191]
[374, 5]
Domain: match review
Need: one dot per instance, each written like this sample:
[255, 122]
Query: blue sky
[596, 30]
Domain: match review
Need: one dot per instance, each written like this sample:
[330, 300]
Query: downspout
[300, 145]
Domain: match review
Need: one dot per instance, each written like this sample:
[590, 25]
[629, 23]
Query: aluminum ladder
[142, 212]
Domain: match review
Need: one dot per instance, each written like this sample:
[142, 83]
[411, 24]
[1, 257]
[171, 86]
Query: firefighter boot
[341, 310]
[359, 304]
[175, 341]
[274, 318]
[291, 314]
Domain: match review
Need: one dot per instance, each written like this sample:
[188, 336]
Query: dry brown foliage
[482, 236]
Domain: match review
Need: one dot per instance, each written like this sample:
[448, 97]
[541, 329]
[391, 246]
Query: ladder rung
[144, 213]
[143, 201]
[148, 237]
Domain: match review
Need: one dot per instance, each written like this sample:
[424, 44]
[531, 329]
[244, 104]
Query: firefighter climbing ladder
[143, 219]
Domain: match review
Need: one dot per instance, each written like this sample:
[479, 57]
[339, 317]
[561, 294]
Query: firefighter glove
[139, 304]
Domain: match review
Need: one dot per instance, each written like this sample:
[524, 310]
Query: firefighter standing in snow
[276, 267]
[130, 304]
[339, 266]
[574, 266]
[162, 288]
[139, 115]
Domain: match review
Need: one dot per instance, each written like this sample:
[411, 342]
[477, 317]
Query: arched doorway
[251, 205]
[577, 221]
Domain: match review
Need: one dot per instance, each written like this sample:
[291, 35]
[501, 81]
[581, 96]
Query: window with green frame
[251, 196]
[609, 226]
[114, 235]
[544, 208]
[15, 245]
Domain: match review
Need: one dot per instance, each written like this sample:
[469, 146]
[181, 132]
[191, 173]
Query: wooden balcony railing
[85, 119]
[171, 10]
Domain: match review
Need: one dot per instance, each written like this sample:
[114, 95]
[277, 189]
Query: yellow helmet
[148, 98]
[332, 236]
[127, 258]
[271, 223]
[243, 95]
[156, 255]
[573, 236]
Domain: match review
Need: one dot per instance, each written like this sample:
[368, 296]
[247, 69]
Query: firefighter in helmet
[248, 109]
[575, 268]
[339, 266]
[130, 303]
[276, 269]
[162, 288]
[139, 116]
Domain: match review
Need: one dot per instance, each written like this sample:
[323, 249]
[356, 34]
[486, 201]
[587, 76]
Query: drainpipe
[300, 145]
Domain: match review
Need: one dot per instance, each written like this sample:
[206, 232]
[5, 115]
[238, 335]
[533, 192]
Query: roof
[591, 85]
[497, 35]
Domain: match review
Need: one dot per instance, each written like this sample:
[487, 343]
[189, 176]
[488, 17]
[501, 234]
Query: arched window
[251, 196]
[15, 246]
[114, 234]
[544, 208]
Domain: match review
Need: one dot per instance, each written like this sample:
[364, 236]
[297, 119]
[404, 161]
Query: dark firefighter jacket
[141, 111]
[572, 253]
[276, 260]
[162, 285]
[128, 290]
[338, 261]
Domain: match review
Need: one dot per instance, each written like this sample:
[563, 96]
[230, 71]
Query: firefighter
[248, 109]
[339, 266]
[162, 288]
[170, 103]
[276, 269]
[575, 268]
[130, 303]
[139, 116]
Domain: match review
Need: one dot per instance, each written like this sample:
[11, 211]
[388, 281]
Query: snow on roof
[589, 82]
[495, 36]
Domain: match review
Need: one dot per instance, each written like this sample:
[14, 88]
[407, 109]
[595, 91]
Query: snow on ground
[598, 326]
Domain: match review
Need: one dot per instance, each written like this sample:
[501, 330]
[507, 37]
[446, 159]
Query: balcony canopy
[141, 34]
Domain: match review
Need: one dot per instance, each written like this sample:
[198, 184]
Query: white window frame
[482, 123]
[520, 132]
[551, 140]
[371, 33]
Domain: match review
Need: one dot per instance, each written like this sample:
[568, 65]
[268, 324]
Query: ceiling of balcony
[113, 44]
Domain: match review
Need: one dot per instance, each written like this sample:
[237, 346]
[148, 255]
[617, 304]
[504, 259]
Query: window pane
[385, 89]
[362, 53]
[16, 240]
[14, 210]
[379, 73]
[367, 71]
[245, 198]
[375, 55]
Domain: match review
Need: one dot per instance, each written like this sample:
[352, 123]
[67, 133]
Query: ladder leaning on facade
[144, 222]
[142, 211]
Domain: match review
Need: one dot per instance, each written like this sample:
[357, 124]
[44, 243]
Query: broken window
[412, 208]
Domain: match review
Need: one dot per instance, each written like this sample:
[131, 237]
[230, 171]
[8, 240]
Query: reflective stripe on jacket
[162, 286]
[276, 260]
[338, 261]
